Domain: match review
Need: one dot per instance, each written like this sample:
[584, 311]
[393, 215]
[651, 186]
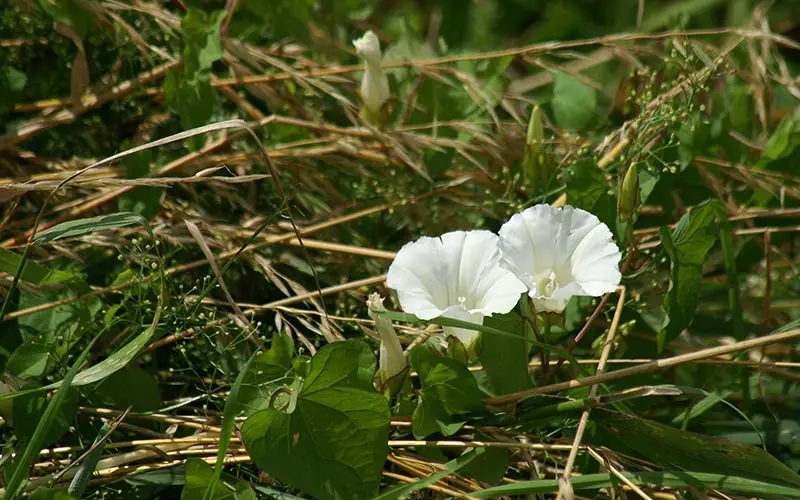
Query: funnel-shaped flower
[391, 359]
[375, 85]
[457, 276]
[558, 253]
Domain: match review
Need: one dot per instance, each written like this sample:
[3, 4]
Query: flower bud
[535, 138]
[374, 85]
[535, 163]
[628, 194]
[391, 359]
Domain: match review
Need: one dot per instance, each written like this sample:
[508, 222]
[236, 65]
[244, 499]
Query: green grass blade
[701, 480]
[451, 467]
[228, 421]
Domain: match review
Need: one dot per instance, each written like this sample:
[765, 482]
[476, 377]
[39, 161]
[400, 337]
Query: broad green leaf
[244, 492]
[505, 361]
[677, 479]
[187, 90]
[573, 102]
[16, 483]
[29, 360]
[80, 227]
[28, 408]
[33, 272]
[675, 449]
[50, 494]
[130, 386]
[488, 467]
[687, 247]
[267, 372]
[449, 394]
[198, 477]
[781, 151]
[451, 467]
[333, 443]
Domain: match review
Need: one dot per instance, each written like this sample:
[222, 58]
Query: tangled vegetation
[199, 200]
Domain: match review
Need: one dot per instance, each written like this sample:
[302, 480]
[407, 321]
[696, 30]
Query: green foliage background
[166, 295]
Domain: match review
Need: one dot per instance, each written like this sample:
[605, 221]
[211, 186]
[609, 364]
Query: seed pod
[628, 199]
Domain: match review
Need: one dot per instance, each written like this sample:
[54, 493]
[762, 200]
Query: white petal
[528, 243]
[558, 301]
[595, 262]
[369, 47]
[391, 359]
[466, 336]
[459, 269]
[418, 274]
[374, 88]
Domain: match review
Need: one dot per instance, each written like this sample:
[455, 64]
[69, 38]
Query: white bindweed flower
[375, 85]
[391, 359]
[559, 253]
[457, 275]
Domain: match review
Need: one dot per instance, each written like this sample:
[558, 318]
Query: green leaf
[268, 371]
[449, 394]
[505, 361]
[28, 408]
[687, 247]
[676, 449]
[333, 443]
[187, 90]
[16, 484]
[50, 494]
[130, 386]
[79, 227]
[488, 467]
[573, 103]
[198, 477]
[29, 361]
[244, 492]
[781, 151]
[33, 272]
[451, 467]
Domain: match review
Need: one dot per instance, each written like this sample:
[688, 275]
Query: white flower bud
[391, 359]
[375, 85]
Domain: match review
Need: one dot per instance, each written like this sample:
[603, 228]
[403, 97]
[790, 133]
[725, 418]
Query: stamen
[551, 285]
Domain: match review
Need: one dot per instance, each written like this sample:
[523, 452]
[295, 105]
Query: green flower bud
[535, 165]
[628, 194]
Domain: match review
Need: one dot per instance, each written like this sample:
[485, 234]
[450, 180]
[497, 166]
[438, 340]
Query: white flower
[558, 253]
[456, 276]
[374, 86]
[391, 359]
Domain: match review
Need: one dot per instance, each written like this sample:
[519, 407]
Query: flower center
[462, 301]
[550, 284]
